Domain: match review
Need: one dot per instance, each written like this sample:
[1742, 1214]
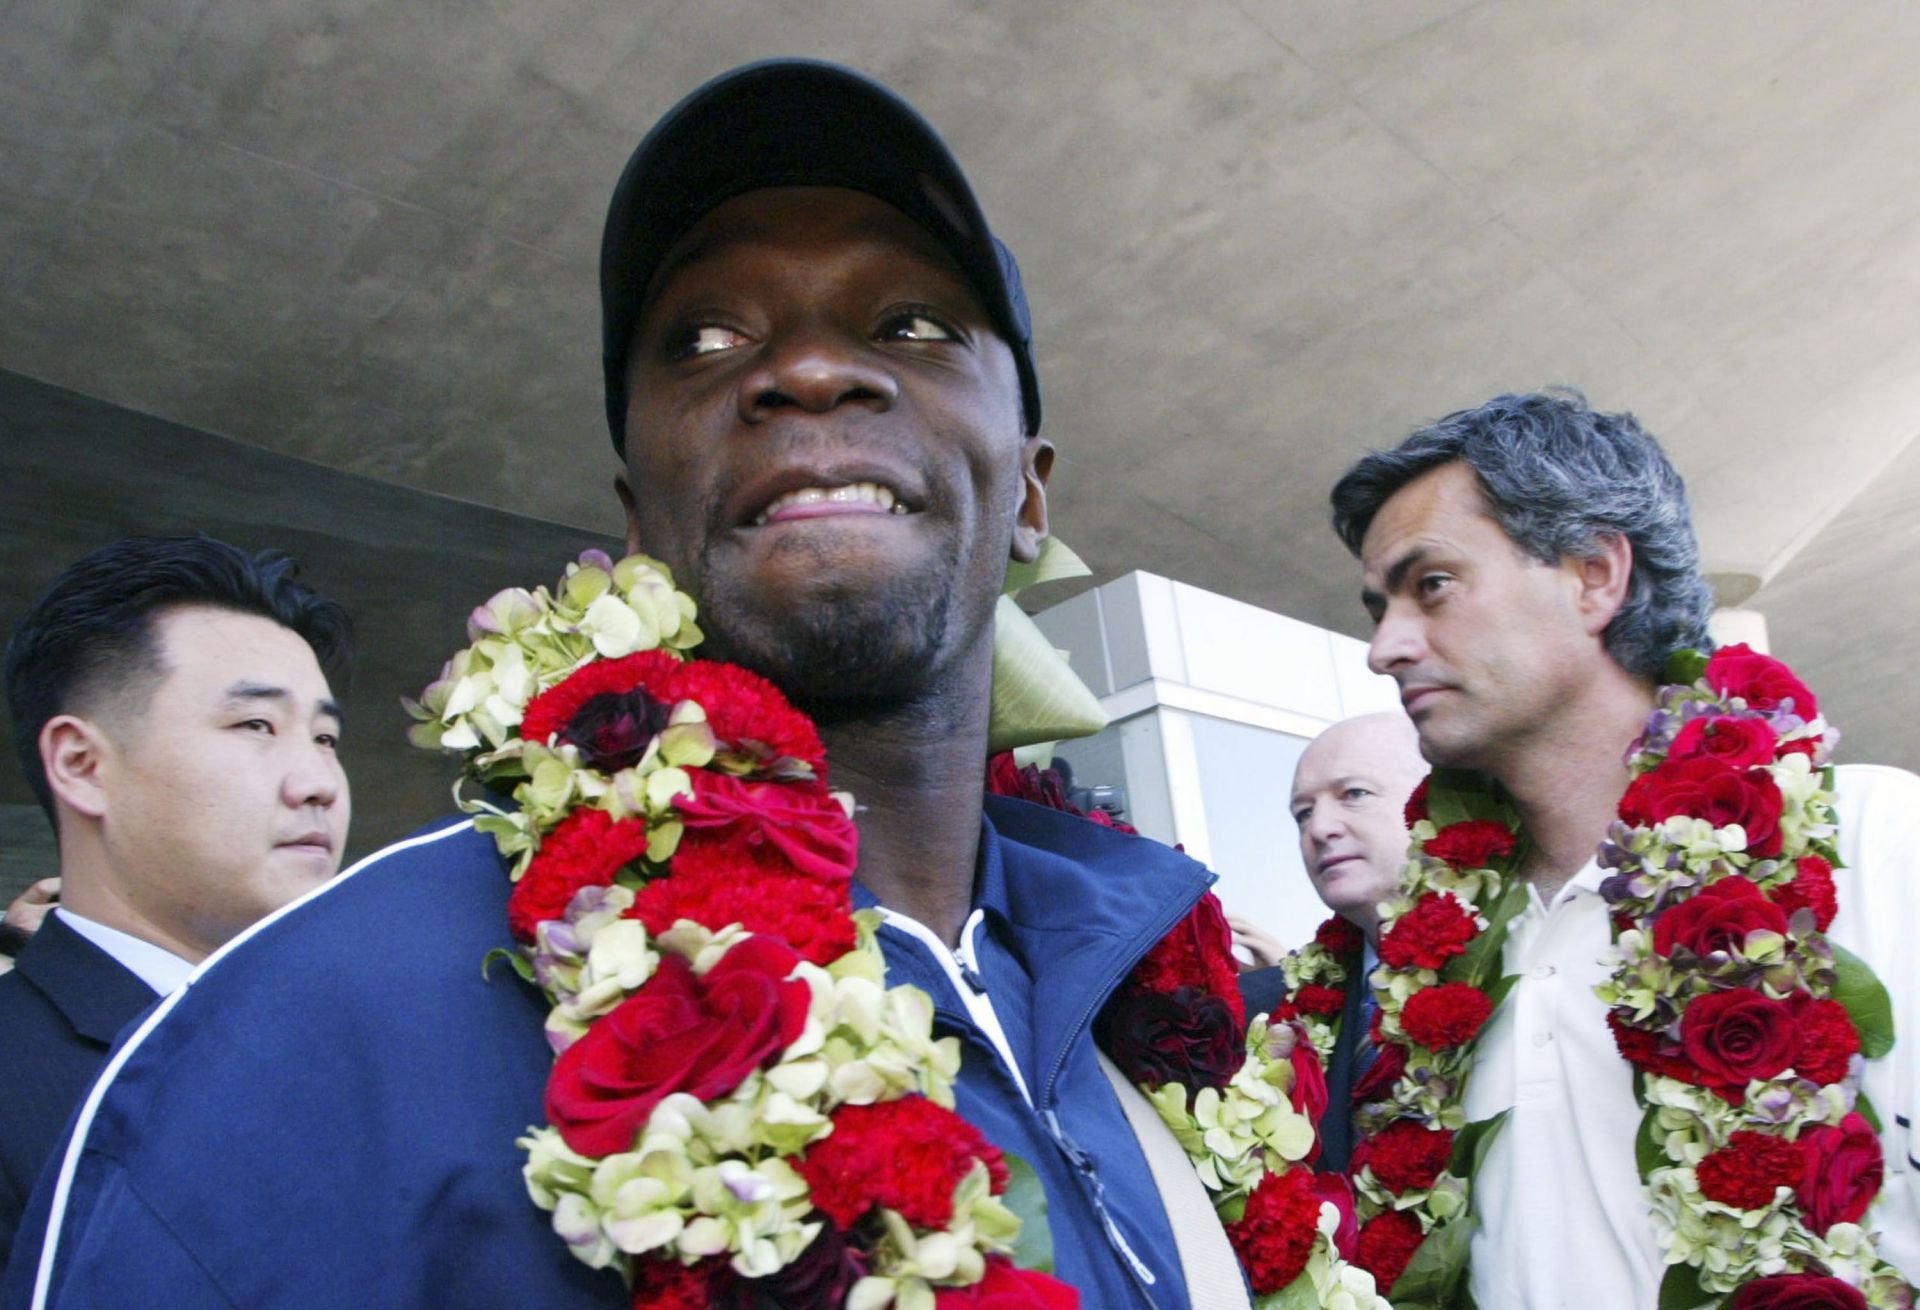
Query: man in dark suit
[171, 712]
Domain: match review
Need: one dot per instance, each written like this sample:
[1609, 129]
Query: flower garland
[1745, 1025]
[1241, 1098]
[1317, 976]
[741, 1110]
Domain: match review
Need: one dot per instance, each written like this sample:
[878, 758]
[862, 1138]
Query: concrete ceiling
[1259, 236]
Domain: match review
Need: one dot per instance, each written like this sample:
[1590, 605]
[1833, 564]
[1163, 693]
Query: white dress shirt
[159, 969]
[1564, 1222]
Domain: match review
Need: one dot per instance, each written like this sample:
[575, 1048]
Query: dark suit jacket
[60, 1009]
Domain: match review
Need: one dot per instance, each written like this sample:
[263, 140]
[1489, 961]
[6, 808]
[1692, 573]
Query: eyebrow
[241, 693]
[1396, 574]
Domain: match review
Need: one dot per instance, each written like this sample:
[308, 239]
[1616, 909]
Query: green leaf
[1054, 561]
[1438, 1267]
[1681, 1290]
[1864, 1108]
[1300, 1294]
[1866, 1000]
[521, 965]
[1033, 1248]
[1457, 795]
[1498, 992]
[1685, 667]
[1480, 964]
[1471, 1144]
[1648, 1153]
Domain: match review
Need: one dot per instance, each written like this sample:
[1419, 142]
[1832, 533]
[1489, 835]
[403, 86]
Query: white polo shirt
[1564, 1221]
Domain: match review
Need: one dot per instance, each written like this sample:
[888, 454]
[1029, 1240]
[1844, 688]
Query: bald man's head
[1349, 797]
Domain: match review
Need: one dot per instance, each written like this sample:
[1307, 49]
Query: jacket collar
[96, 994]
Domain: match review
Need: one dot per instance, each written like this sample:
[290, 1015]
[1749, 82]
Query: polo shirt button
[1543, 971]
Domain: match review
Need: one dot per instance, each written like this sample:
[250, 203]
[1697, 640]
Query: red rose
[1841, 1174]
[1186, 1036]
[1406, 1156]
[1811, 886]
[1416, 807]
[678, 1033]
[1198, 952]
[1763, 682]
[800, 821]
[1828, 1042]
[1798, 1292]
[1376, 1082]
[1338, 936]
[1717, 918]
[1387, 1242]
[1275, 1236]
[1737, 1036]
[907, 1155]
[585, 849]
[1471, 844]
[1317, 998]
[1435, 930]
[1336, 1188]
[1006, 1287]
[1444, 1016]
[1707, 789]
[1746, 1171]
[1740, 743]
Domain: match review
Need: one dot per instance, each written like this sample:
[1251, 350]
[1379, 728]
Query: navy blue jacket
[325, 1116]
[60, 1009]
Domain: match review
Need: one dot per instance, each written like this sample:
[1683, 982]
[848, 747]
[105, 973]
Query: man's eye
[913, 325]
[256, 725]
[1355, 793]
[1432, 584]
[1302, 814]
[330, 740]
[702, 339]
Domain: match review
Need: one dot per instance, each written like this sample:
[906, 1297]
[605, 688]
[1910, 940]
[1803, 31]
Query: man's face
[224, 797]
[1350, 793]
[1484, 640]
[824, 442]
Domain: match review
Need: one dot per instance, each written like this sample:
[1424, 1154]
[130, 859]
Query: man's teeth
[871, 493]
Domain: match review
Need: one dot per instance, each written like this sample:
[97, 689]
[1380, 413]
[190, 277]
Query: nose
[1398, 641]
[817, 368]
[1323, 825]
[314, 778]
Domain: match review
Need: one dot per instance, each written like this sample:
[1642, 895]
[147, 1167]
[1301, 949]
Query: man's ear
[77, 756]
[625, 492]
[1603, 580]
[1030, 526]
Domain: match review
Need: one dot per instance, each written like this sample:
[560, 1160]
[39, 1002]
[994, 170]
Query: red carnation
[1275, 1236]
[1435, 930]
[1763, 682]
[907, 1155]
[802, 822]
[651, 671]
[1317, 998]
[1828, 1042]
[1736, 1036]
[1387, 1243]
[666, 1284]
[1745, 1172]
[1005, 1287]
[1444, 1016]
[749, 714]
[1376, 1082]
[585, 849]
[678, 1033]
[1198, 952]
[1797, 1292]
[1704, 788]
[1717, 918]
[1471, 844]
[1406, 1156]
[1338, 936]
[1416, 807]
[715, 885]
[1841, 1172]
[1811, 886]
[1741, 743]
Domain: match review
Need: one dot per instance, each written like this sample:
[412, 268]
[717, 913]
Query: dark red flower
[548, 714]
[1435, 930]
[907, 1155]
[714, 885]
[1186, 1036]
[1376, 1082]
[677, 1033]
[799, 820]
[1745, 1172]
[1740, 743]
[1416, 807]
[1387, 1242]
[1309, 1084]
[666, 1284]
[1318, 998]
[1028, 783]
[1446, 1015]
[1336, 1188]
[1338, 936]
[585, 849]
[1828, 1042]
[1736, 1036]
[1198, 952]
[1811, 886]
[1763, 682]
[1006, 1287]
[819, 1278]
[1651, 1052]
[1717, 918]
[1704, 788]
[1275, 1236]
[1405, 1156]
[1841, 1172]
[1471, 843]
[749, 715]
[1797, 1292]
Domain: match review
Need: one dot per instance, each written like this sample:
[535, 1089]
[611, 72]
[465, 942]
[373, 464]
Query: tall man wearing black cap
[820, 379]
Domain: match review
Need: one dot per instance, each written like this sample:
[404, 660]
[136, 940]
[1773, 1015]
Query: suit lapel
[95, 992]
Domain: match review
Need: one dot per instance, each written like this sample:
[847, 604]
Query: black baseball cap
[794, 122]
